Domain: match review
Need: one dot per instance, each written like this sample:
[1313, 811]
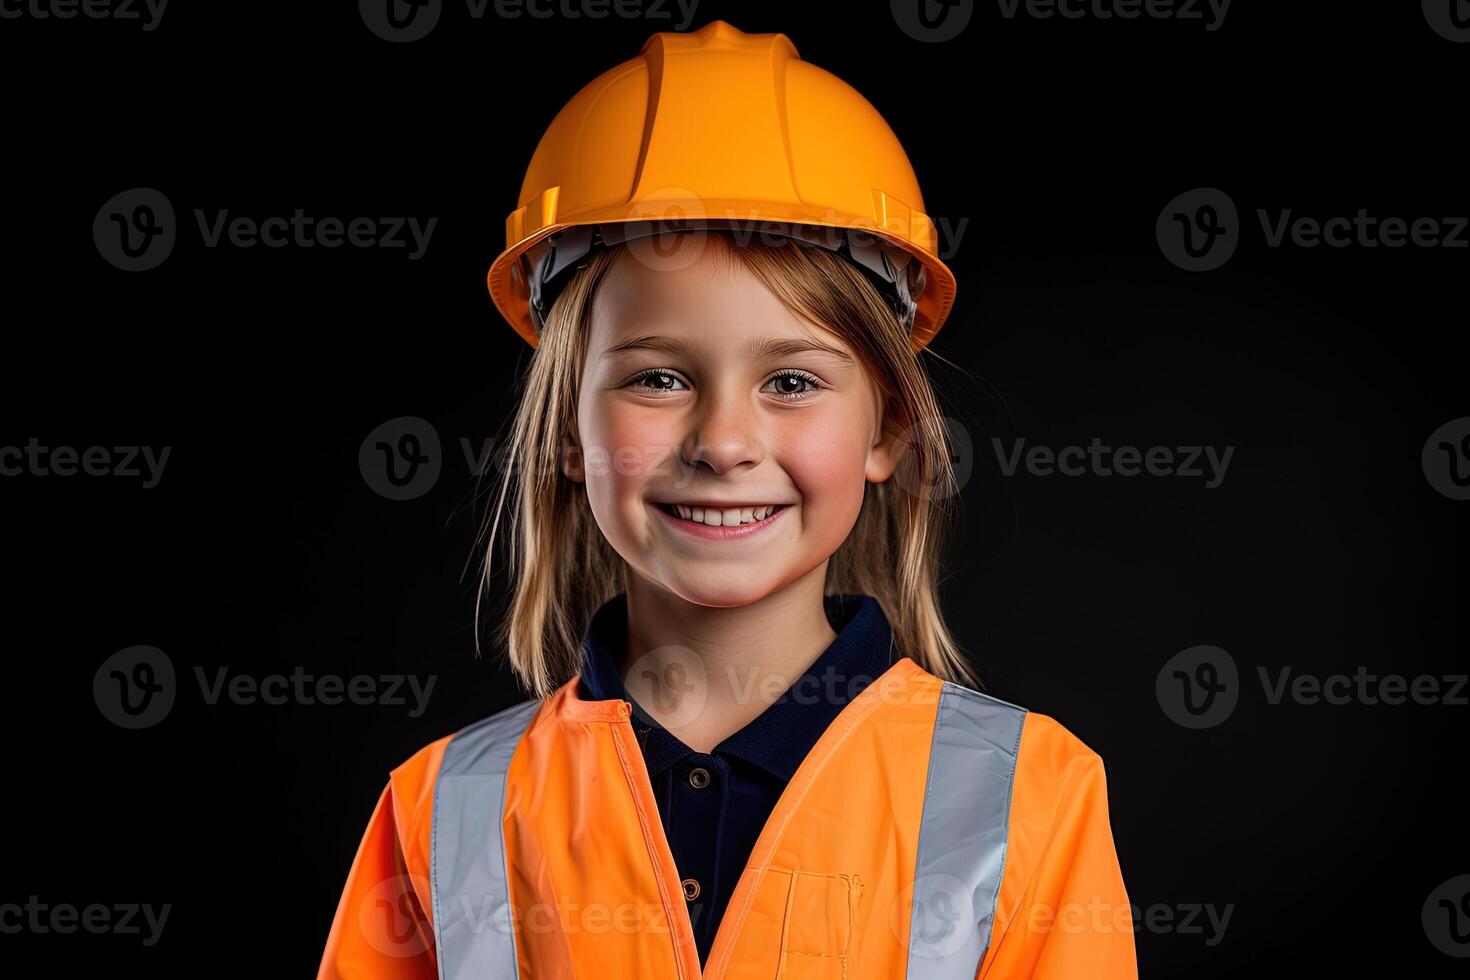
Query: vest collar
[780, 736]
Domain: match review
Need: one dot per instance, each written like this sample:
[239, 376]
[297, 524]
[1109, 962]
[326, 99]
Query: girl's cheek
[630, 447]
[826, 458]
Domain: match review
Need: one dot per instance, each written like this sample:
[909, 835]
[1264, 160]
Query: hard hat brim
[511, 292]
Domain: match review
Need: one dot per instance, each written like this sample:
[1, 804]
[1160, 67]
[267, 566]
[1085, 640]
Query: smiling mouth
[722, 516]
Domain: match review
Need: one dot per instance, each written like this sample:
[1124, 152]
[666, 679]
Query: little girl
[753, 749]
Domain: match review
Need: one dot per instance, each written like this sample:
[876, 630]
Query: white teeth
[717, 517]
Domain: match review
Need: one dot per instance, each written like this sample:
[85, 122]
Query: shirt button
[691, 889]
[699, 777]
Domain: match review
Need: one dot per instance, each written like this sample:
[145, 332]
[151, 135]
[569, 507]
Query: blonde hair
[563, 569]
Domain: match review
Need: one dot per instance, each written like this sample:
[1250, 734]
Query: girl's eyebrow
[758, 349]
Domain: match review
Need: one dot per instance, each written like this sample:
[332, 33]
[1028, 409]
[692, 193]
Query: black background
[1056, 142]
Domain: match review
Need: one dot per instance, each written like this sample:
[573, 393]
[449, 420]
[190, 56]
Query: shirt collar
[781, 736]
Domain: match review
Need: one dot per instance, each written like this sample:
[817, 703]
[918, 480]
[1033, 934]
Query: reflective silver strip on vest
[963, 834]
[471, 892]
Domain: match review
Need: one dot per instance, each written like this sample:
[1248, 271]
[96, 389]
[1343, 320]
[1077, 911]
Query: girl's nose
[724, 435]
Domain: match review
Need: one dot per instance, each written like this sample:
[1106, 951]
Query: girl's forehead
[637, 284]
[752, 340]
[756, 347]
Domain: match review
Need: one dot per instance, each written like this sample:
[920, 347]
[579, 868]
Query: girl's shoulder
[1055, 783]
[477, 747]
[1031, 737]
[1042, 752]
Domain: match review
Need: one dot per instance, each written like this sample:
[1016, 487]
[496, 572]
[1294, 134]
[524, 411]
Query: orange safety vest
[931, 832]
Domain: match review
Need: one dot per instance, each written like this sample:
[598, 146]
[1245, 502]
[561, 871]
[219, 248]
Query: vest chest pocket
[816, 932]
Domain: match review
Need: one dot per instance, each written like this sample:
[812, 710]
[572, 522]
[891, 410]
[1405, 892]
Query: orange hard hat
[721, 129]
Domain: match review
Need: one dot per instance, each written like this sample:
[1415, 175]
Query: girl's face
[705, 401]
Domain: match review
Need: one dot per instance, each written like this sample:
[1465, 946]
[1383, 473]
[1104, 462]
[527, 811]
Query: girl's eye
[655, 381]
[789, 385]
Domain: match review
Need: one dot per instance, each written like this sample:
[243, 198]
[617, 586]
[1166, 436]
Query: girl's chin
[726, 591]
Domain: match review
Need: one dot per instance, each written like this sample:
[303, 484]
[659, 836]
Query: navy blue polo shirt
[714, 805]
